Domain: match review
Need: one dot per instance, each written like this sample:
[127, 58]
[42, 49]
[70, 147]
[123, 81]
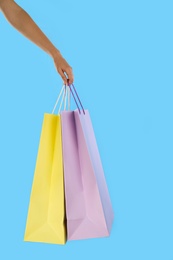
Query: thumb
[63, 76]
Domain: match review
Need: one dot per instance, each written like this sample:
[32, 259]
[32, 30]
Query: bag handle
[67, 97]
[61, 94]
[67, 91]
[76, 95]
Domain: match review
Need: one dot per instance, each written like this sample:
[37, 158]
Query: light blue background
[122, 57]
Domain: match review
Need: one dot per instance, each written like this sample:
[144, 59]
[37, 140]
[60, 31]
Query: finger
[70, 75]
[63, 76]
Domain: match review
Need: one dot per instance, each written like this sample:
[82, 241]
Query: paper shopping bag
[46, 213]
[89, 211]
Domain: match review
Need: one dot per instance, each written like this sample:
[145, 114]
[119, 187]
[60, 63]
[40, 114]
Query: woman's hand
[63, 67]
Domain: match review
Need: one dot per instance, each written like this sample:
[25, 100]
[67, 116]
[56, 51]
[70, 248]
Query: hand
[62, 66]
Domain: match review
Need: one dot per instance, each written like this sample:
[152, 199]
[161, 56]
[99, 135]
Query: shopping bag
[89, 211]
[46, 213]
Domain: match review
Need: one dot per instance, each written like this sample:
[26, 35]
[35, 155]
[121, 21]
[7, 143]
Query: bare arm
[22, 21]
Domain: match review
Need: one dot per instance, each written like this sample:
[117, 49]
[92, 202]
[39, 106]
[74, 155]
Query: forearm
[22, 21]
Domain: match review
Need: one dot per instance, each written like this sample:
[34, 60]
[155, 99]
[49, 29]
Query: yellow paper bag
[46, 213]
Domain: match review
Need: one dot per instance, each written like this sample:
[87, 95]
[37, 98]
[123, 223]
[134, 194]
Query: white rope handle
[60, 94]
[67, 98]
[62, 100]
[65, 94]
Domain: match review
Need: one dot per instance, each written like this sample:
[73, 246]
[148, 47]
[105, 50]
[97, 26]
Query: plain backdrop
[121, 53]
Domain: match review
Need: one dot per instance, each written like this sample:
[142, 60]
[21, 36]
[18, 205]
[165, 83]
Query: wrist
[54, 53]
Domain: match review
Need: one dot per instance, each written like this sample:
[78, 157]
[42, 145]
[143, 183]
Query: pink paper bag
[88, 207]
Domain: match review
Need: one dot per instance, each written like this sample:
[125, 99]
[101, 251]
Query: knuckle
[69, 68]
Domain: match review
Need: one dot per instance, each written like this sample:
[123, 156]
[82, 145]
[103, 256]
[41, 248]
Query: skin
[22, 21]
